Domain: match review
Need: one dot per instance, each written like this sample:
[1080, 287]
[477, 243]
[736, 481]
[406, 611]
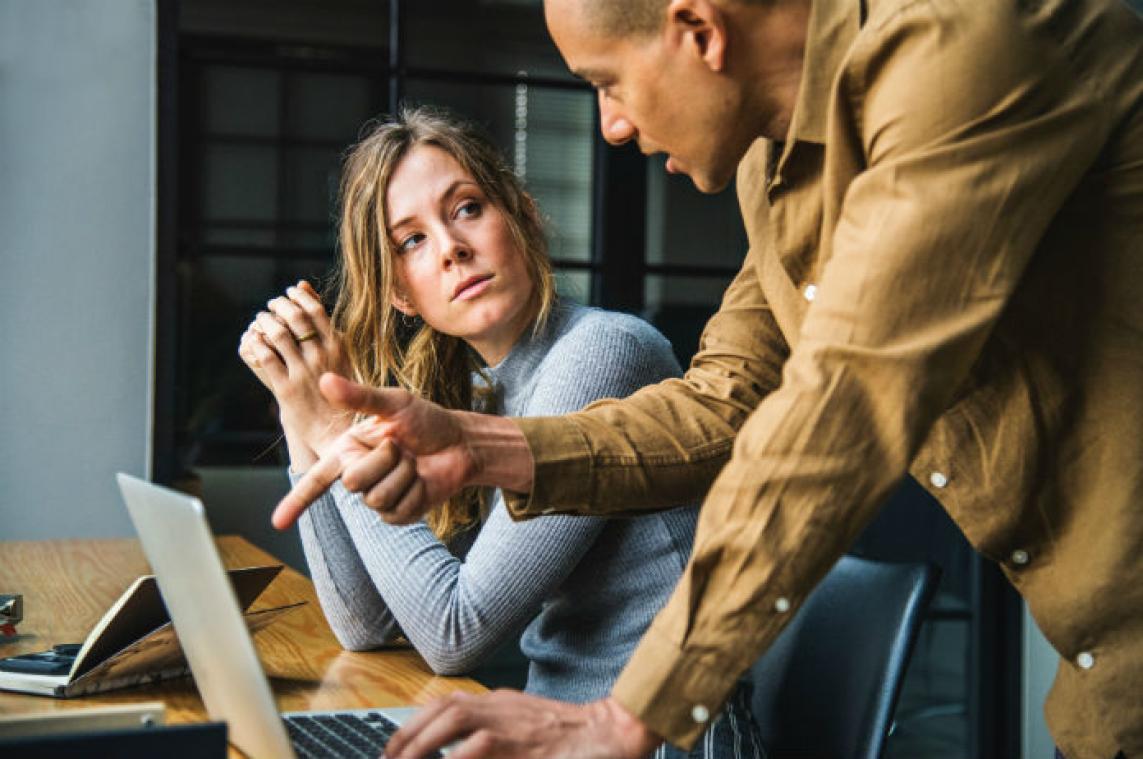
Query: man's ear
[698, 27]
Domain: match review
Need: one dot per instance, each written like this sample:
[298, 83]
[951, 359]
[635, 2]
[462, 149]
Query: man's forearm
[499, 452]
[663, 445]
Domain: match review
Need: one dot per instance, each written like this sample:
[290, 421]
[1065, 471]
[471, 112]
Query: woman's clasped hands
[288, 347]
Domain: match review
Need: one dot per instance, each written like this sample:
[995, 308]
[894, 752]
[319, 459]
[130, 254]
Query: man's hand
[408, 455]
[507, 724]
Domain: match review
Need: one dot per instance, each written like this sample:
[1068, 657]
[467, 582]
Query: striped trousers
[733, 734]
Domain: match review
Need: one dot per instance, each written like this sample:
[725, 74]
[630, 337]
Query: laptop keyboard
[335, 736]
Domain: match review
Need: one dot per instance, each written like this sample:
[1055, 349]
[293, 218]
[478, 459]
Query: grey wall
[77, 168]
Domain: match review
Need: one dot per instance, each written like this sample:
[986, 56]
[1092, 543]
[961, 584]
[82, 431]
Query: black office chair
[828, 686]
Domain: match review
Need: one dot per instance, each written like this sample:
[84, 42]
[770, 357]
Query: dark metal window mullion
[396, 56]
[166, 353]
[995, 664]
[192, 162]
[618, 230]
[281, 148]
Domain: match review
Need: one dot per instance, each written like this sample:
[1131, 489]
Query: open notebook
[134, 643]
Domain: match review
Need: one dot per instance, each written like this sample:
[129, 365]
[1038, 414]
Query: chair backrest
[829, 684]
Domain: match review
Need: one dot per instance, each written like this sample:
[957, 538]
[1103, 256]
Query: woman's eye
[411, 241]
[468, 209]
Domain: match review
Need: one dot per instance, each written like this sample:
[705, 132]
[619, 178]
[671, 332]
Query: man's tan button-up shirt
[945, 277]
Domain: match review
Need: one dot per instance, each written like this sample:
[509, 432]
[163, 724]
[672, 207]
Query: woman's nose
[454, 250]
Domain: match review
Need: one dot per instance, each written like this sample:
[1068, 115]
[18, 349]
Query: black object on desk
[197, 741]
[58, 661]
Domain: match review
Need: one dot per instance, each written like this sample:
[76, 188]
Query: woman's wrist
[308, 440]
[302, 457]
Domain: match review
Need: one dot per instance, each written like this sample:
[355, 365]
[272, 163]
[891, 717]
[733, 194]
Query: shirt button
[810, 293]
[1020, 557]
[700, 714]
[1085, 660]
[938, 479]
[782, 605]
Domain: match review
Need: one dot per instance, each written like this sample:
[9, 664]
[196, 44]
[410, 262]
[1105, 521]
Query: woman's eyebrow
[451, 190]
[458, 185]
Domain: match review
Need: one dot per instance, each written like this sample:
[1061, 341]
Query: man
[945, 214]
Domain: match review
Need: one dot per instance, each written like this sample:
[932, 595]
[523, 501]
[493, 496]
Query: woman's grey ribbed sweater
[589, 586]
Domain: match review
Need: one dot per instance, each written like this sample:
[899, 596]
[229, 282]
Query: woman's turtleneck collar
[521, 362]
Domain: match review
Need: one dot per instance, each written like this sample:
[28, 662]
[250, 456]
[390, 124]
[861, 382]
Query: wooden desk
[307, 668]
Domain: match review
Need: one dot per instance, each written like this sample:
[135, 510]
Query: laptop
[178, 543]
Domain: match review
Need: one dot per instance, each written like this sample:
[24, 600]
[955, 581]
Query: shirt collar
[833, 26]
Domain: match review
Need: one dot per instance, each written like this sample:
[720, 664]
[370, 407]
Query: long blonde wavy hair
[381, 349]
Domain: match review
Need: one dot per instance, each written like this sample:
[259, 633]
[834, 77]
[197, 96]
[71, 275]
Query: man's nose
[615, 127]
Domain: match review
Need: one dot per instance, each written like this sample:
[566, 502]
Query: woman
[446, 290]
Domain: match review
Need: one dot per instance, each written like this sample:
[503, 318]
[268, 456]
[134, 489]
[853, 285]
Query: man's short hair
[626, 18]
[630, 18]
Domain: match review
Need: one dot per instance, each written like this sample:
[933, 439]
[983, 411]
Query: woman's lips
[471, 288]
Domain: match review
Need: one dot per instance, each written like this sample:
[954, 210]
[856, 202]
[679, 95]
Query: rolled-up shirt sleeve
[664, 445]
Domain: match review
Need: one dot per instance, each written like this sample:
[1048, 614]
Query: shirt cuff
[562, 478]
[674, 693]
